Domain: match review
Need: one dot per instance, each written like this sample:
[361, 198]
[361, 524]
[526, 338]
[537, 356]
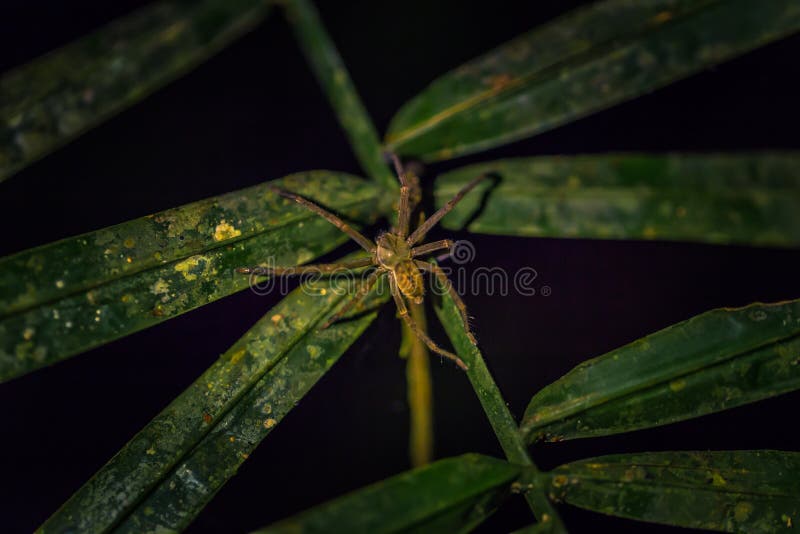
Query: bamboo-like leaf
[66, 297]
[164, 476]
[451, 495]
[585, 61]
[328, 67]
[714, 361]
[751, 199]
[503, 423]
[729, 491]
[55, 98]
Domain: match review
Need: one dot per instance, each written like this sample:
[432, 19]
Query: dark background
[255, 113]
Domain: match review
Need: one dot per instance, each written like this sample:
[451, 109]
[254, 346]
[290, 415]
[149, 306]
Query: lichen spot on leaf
[225, 230]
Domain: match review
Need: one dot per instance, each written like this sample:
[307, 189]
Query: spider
[393, 253]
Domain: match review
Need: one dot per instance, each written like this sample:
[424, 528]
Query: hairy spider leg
[322, 268]
[403, 312]
[444, 281]
[354, 234]
[423, 229]
[404, 209]
[431, 247]
[357, 298]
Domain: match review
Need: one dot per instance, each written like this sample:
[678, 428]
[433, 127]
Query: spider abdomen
[409, 280]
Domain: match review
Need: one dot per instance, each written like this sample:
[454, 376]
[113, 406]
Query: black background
[255, 113]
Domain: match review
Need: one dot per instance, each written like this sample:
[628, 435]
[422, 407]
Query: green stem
[503, 423]
[332, 75]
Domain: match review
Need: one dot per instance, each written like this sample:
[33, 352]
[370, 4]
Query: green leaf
[55, 98]
[585, 61]
[503, 423]
[331, 73]
[164, 476]
[730, 491]
[69, 296]
[714, 361]
[751, 199]
[451, 495]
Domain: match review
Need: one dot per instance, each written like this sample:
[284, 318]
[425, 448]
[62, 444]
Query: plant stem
[418, 380]
[332, 75]
[503, 423]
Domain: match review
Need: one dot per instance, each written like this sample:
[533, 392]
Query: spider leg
[462, 308]
[417, 234]
[357, 299]
[403, 312]
[321, 268]
[404, 209]
[431, 247]
[354, 234]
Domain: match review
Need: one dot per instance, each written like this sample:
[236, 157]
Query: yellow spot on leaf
[60, 284]
[269, 423]
[151, 451]
[238, 355]
[232, 439]
[313, 351]
[662, 17]
[718, 480]
[276, 318]
[225, 231]
[573, 182]
[677, 385]
[185, 267]
[28, 334]
[560, 480]
[742, 511]
[160, 287]
[649, 232]
[129, 243]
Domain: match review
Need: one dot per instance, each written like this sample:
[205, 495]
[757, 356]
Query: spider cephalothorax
[393, 254]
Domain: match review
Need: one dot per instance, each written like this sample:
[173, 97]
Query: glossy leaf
[751, 199]
[585, 61]
[503, 423]
[711, 362]
[55, 98]
[69, 296]
[451, 495]
[729, 491]
[164, 476]
[328, 67]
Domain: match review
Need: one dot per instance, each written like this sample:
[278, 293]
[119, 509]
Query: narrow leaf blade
[164, 476]
[729, 491]
[714, 361]
[451, 495]
[586, 61]
[55, 98]
[69, 296]
[750, 199]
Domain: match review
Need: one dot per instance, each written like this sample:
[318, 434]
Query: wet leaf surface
[451, 495]
[171, 469]
[66, 297]
[714, 361]
[750, 199]
[585, 61]
[55, 98]
[729, 491]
